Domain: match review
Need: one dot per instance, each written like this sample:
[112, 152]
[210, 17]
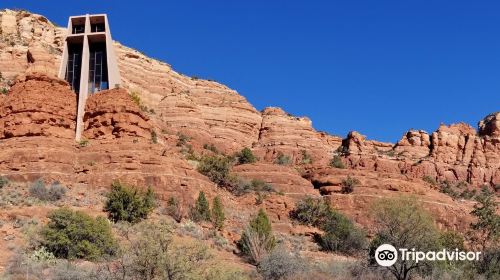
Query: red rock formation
[414, 144]
[113, 114]
[292, 136]
[39, 106]
[452, 153]
[207, 111]
[282, 178]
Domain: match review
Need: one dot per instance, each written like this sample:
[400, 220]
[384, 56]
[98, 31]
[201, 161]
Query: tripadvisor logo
[387, 255]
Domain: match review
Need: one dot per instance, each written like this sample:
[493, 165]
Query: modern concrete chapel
[89, 62]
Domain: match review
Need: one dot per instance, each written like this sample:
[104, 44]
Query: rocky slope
[211, 113]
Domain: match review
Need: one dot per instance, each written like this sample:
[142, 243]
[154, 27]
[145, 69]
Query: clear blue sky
[378, 67]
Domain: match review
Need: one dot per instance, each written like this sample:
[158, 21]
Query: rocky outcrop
[282, 178]
[112, 114]
[38, 106]
[294, 137]
[356, 143]
[204, 110]
[211, 113]
[414, 144]
[490, 125]
[20, 32]
[452, 153]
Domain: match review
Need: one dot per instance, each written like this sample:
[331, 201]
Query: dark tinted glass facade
[98, 68]
[74, 66]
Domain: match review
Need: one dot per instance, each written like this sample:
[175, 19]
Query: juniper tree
[218, 216]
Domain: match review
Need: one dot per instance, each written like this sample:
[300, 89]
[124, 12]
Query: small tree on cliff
[126, 203]
[246, 156]
[201, 210]
[257, 239]
[218, 216]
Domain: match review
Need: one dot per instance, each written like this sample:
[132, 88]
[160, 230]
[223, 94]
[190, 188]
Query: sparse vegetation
[137, 100]
[310, 211]
[245, 156]
[182, 139]
[280, 264]
[305, 157]
[257, 239]
[336, 162]
[340, 234]
[459, 190]
[349, 184]
[83, 142]
[76, 235]
[154, 137]
[242, 187]
[218, 215]
[282, 159]
[155, 254]
[174, 209]
[216, 168]
[4, 181]
[126, 203]
[211, 147]
[201, 210]
[4, 91]
[430, 180]
[52, 193]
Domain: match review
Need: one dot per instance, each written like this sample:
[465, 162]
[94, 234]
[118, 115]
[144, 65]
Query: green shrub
[218, 215]
[4, 181]
[349, 184]
[246, 156]
[336, 162]
[4, 91]
[83, 143]
[241, 186]
[403, 223]
[485, 233]
[52, 193]
[310, 211]
[126, 203]
[136, 98]
[75, 235]
[457, 190]
[154, 137]
[306, 157]
[211, 147]
[217, 168]
[257, 238]
[430, 180]
[452, 240]
[201, 210]
[340, 234]
[282, 159]
[182, 139]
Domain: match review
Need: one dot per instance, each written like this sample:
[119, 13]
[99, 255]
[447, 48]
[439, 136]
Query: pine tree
[257, 239]
[218, 215]
[201, 211]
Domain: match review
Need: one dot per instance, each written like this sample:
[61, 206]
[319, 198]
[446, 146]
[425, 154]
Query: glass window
[77, 29]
